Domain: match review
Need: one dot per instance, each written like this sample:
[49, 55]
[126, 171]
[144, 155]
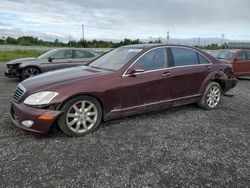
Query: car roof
[71, 49]
[153, 45]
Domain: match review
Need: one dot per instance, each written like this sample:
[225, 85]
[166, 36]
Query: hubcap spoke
[72, 115]
[75, 108]
[72, 122]
[90, 120]
[84, 125]
[89, 108]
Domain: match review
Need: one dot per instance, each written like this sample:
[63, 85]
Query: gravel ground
[179, 147]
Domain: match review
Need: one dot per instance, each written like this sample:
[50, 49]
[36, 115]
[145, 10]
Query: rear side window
[83, 54]
[203, 60]
[183, 57]
[241, 56]
[153, 60]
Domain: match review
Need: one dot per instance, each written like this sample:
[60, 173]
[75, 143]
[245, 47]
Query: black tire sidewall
[61, 121]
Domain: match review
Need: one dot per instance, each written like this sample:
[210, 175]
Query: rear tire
[82, 115]
[211, 97]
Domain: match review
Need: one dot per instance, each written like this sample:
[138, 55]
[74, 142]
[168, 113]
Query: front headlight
[40, 98]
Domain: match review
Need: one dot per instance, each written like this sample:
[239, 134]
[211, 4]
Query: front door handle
[165, 74]
[208, 67]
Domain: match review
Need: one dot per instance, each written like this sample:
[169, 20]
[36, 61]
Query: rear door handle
[165, 74]
[208, 67]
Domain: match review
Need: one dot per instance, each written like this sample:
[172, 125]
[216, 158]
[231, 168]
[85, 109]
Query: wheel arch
[27, 66]
[83, 94]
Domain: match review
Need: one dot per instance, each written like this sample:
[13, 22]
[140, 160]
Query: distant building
[239, 45]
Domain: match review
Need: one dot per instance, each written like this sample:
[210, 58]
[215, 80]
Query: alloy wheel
[213, 96]
[30, 72]
[81, 116]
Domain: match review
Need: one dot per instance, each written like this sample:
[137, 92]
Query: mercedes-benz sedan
[128, 80]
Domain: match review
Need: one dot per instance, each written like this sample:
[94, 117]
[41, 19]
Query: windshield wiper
[95, 67]
[101, 68]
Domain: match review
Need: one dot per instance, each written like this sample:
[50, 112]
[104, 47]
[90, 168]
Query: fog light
[27, 123]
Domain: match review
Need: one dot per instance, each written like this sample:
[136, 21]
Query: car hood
[21, 60]
[62, 76]
[225, 60]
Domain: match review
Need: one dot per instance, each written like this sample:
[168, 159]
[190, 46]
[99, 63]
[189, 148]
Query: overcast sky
[117, 19]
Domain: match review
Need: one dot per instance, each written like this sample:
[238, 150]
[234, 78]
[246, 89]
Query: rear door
[190, 70]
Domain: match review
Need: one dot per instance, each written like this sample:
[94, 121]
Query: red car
[240, 59]
[128, 80]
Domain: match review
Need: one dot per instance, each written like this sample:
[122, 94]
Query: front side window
[153, 60]
[241, 56]
[183, 57]
[83, 54]
[66, 54]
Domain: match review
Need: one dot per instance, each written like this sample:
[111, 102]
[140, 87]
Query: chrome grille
[20, 90]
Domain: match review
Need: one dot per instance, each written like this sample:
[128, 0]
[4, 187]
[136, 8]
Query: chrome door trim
[167, 68]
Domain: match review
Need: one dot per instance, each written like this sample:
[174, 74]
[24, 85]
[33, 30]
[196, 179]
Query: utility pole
[70, 40]
[83, 32]
[222, 38]
[168, 37]
[199, 41]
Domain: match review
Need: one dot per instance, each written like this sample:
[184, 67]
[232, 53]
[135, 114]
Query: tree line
[31, 41]
[34, 41]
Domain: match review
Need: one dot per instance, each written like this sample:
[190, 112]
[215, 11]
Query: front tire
[29, 71]
[211, 96]
[82, 115]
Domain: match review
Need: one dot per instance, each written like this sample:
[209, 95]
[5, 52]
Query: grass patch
[11, 55]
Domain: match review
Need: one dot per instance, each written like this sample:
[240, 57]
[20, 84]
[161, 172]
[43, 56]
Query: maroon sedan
[127, 80]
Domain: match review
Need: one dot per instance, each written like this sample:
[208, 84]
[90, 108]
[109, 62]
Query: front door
[149, 88]
[59, 60]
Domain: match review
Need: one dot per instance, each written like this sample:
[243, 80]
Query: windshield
[115, 59]
[225, 54]
[47, 54]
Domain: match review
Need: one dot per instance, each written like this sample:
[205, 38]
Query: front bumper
[20, 112]
[230, 83]
[12, 73]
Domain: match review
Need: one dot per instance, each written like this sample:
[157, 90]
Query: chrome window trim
[167, 68]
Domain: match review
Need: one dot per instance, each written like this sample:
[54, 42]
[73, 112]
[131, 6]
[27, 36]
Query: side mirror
[134, 70]
[50, 59]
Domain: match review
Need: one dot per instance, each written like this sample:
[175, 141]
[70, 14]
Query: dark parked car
[51, 60]
[240, 60]
[127, 80]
